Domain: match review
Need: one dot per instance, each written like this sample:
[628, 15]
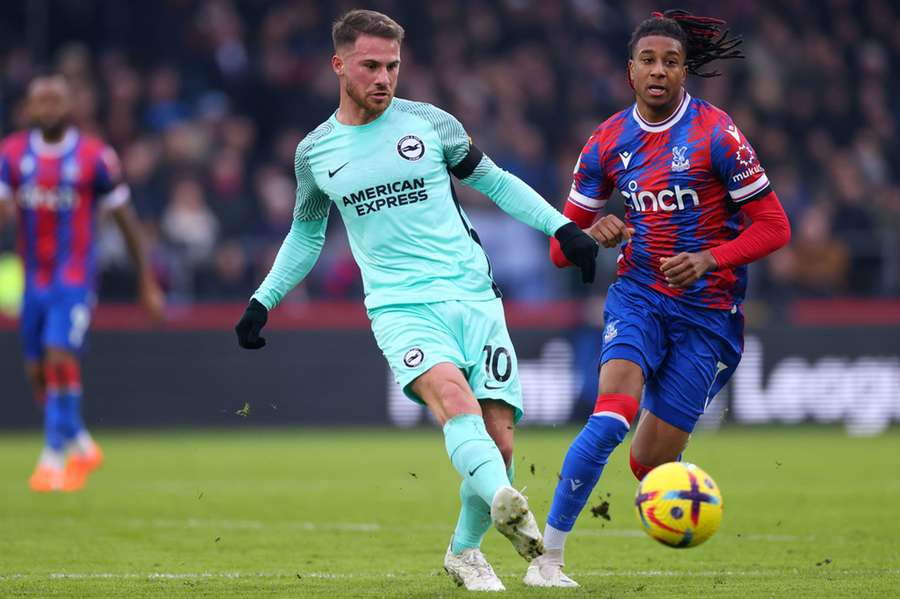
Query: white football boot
[469, 569]
[546, 571]
[511, 516]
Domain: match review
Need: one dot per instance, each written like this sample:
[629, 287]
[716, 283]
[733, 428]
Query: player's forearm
[515, 197]
[128, 224]
[580, 216]
[768, 231]
[295, 259]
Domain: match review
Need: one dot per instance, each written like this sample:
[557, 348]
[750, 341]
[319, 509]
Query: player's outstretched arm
[473, 168]
[297, 256]
[151, 296]
[519, 200]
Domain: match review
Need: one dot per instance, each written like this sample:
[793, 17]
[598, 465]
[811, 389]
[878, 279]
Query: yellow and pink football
[679, 505]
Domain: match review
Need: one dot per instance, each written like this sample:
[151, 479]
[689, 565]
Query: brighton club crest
[679, 162]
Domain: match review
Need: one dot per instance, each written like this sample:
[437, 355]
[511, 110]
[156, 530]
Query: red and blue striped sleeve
[591, 187]
[109, 184]
[735, 163]
[589, 192]
[6, 176]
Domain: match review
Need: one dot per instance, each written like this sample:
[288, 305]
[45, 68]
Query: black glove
[579, 248]
[250, 324]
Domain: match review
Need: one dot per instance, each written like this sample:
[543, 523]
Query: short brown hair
[356, 22]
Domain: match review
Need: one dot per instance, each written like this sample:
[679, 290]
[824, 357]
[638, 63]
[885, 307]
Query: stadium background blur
[206, 100]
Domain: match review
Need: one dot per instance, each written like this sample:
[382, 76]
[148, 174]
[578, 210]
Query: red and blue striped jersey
[57, 189]
[683, 180]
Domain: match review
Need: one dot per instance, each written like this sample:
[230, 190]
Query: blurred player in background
[674, 323]
[59, 178]
[435, 310]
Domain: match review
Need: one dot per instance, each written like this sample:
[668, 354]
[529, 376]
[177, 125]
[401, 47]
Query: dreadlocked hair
[702, 38]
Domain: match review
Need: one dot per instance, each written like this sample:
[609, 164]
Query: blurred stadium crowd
[206, 100]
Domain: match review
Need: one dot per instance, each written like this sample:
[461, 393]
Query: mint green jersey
[390, 181]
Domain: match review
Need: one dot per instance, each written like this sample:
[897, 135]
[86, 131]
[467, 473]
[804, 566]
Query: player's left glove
[579, 248]
[250, 325]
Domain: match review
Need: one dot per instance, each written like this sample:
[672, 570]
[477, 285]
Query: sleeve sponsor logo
[748, 173]
[745, 156]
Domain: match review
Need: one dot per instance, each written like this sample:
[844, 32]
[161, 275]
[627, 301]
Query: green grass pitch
[809, 512]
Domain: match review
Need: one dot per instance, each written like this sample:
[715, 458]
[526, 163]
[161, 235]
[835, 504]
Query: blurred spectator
[815, 263]
[207, 124]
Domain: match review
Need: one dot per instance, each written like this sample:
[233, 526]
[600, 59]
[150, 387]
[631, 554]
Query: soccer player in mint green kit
[385, 164]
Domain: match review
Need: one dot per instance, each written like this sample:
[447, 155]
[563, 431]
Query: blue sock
[474, 516]
[70, 402]
[54, 421]
[475, 456]
[582, 468]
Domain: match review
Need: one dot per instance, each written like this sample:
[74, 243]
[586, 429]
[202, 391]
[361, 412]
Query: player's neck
[351, 113]
[54, 135]
[655, 115]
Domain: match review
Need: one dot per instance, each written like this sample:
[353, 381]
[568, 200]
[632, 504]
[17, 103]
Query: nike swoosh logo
[474, 470]
[335, 171]
[490, 386]
[574, 486]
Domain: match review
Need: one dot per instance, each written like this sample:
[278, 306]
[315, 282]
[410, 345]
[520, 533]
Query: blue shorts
[687, 353]
[55, 317]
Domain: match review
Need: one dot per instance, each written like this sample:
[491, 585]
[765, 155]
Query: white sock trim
[554, 539]
[52, 458]
[615, 415]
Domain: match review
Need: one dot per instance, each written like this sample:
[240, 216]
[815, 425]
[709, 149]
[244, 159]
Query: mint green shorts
[470, 334]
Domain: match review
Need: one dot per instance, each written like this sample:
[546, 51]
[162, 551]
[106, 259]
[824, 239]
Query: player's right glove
[250, 324]
[579, 248]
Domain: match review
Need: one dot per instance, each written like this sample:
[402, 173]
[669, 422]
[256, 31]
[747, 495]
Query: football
[679, 505]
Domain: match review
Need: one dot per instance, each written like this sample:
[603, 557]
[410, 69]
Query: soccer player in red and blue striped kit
[58, 179]
[699, 208]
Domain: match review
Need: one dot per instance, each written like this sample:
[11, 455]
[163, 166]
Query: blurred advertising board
[323, 368]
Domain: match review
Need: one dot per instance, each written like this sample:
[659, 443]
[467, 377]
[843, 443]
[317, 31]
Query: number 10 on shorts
[497, 363]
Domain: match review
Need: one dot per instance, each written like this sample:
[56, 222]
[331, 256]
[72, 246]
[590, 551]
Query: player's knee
[454, 397]
[621, 377]
[55, 356]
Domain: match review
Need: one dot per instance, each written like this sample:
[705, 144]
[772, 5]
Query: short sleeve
[591, 187]
[735, 163]
[6, 178]
[311, 202]
[109, 171]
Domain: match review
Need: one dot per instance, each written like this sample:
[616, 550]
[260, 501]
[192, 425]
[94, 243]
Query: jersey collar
[666, 124]
[53, 150]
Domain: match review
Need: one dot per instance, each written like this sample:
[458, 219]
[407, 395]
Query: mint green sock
[475, 456]
[474, 516]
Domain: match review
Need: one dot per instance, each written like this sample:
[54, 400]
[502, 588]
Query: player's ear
[337, 65]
